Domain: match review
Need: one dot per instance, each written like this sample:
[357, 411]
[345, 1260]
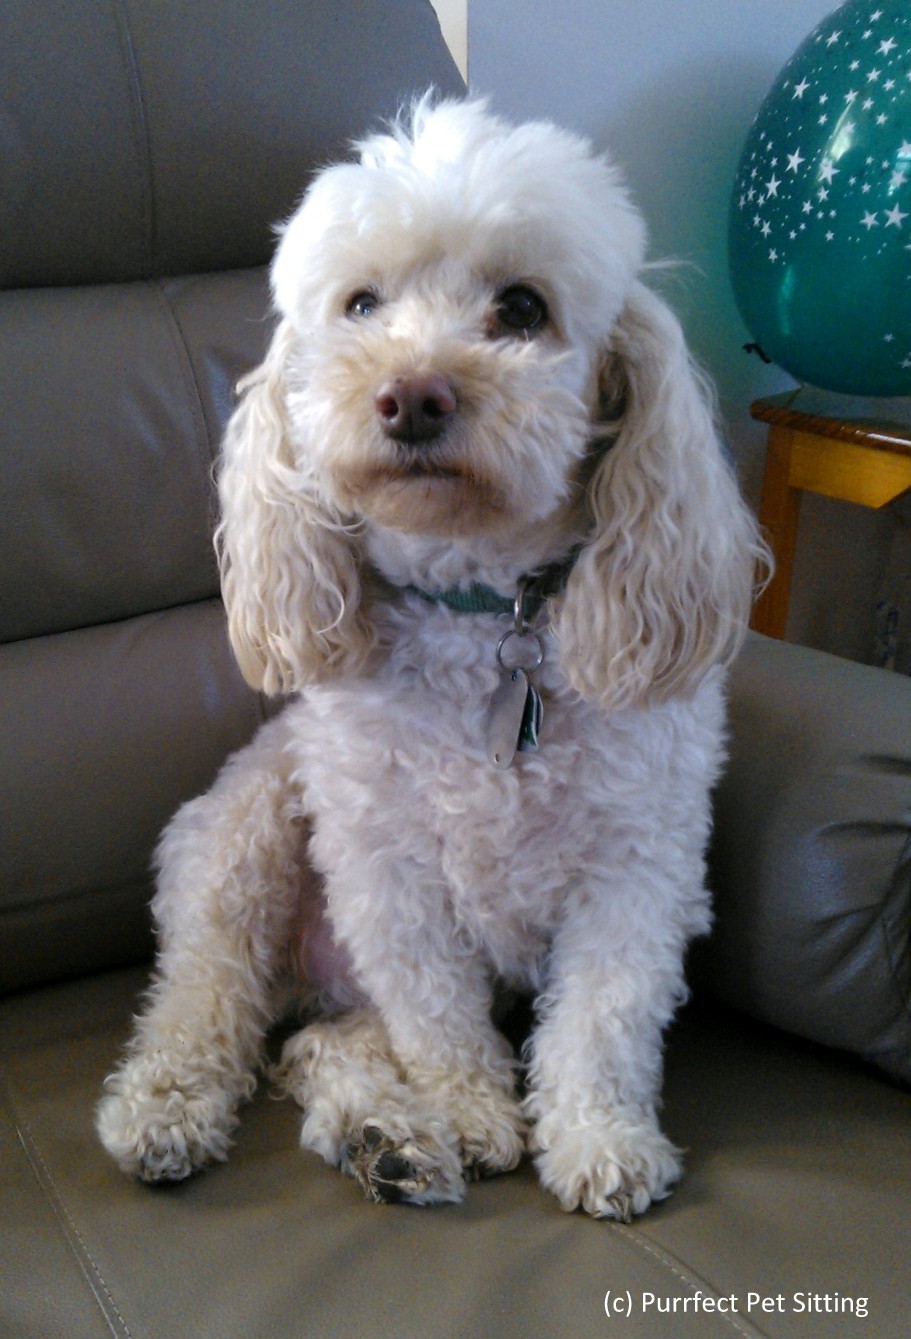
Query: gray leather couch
[146, 148]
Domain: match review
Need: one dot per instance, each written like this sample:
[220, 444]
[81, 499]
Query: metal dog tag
[504, 717]
[513, 718]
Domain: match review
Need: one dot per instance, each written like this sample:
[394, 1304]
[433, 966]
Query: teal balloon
[820, 219]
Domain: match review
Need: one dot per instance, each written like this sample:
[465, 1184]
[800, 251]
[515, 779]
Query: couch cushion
[107, 730]
[114, 401]
[811, 860]
[797, 1185]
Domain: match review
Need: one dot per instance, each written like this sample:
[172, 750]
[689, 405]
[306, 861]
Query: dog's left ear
[663, 588]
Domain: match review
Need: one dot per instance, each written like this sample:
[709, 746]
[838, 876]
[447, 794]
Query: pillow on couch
[811, 858]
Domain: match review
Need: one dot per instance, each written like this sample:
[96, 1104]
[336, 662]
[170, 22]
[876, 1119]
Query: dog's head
[464, 351]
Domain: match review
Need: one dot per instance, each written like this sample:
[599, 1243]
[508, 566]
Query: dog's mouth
[419, 467]
[422, 495]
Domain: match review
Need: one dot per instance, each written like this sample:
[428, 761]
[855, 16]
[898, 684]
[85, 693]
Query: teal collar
[477, 599]
[532, 592]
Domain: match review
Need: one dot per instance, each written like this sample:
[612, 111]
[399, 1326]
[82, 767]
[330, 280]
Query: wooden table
[856, 459]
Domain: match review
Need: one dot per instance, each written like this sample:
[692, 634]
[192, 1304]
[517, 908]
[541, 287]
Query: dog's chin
[424, 499]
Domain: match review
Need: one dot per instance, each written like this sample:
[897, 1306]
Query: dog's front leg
[229, 866]
[434, 994]
[596, 1055]
[458, 1065]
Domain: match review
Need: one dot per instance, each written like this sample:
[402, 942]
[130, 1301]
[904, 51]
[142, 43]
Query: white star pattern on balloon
[802, 174]
[826, 170]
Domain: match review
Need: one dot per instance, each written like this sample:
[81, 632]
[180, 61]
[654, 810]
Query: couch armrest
[811, 857]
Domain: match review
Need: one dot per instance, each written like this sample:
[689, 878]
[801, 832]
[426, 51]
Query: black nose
[415, 408]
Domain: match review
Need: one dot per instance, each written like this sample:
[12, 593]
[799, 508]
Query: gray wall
[671, 87]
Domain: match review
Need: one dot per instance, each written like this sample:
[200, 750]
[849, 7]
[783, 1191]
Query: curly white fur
[579, 871]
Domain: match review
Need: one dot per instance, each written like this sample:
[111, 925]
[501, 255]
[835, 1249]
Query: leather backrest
[146, 151]
[141, 139]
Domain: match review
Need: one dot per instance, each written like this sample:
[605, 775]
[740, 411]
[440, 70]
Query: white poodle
[476, 517]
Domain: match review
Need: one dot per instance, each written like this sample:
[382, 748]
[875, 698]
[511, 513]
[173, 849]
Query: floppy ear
[662, 590]
[289, 572]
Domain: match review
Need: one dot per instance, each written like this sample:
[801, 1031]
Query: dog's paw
[415, 1169]
[610, 1167]
[159, 1132]
[482, 1114]
[491, 1131]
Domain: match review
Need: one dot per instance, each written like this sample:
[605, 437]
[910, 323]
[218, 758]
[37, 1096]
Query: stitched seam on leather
[890, 912]
[140, 125]
[694, 1284]
[88, 1266]
[197, 408]
[892, 939]
[206, 449]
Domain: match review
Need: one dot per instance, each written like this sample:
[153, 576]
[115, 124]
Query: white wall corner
[453, 16]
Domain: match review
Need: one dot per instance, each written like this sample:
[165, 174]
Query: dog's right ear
[289, 572]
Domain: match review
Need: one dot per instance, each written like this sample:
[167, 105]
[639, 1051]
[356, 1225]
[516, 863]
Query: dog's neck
[495, 562]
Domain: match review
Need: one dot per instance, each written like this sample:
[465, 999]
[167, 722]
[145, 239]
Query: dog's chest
[396, 767]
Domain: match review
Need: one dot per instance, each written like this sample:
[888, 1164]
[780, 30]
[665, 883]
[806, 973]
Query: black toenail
[373, 1135]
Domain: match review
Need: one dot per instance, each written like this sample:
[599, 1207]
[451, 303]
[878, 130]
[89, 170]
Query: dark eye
[521, 310]
[362, 304]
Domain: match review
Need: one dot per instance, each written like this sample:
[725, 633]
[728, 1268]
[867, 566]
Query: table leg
[779, 513]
